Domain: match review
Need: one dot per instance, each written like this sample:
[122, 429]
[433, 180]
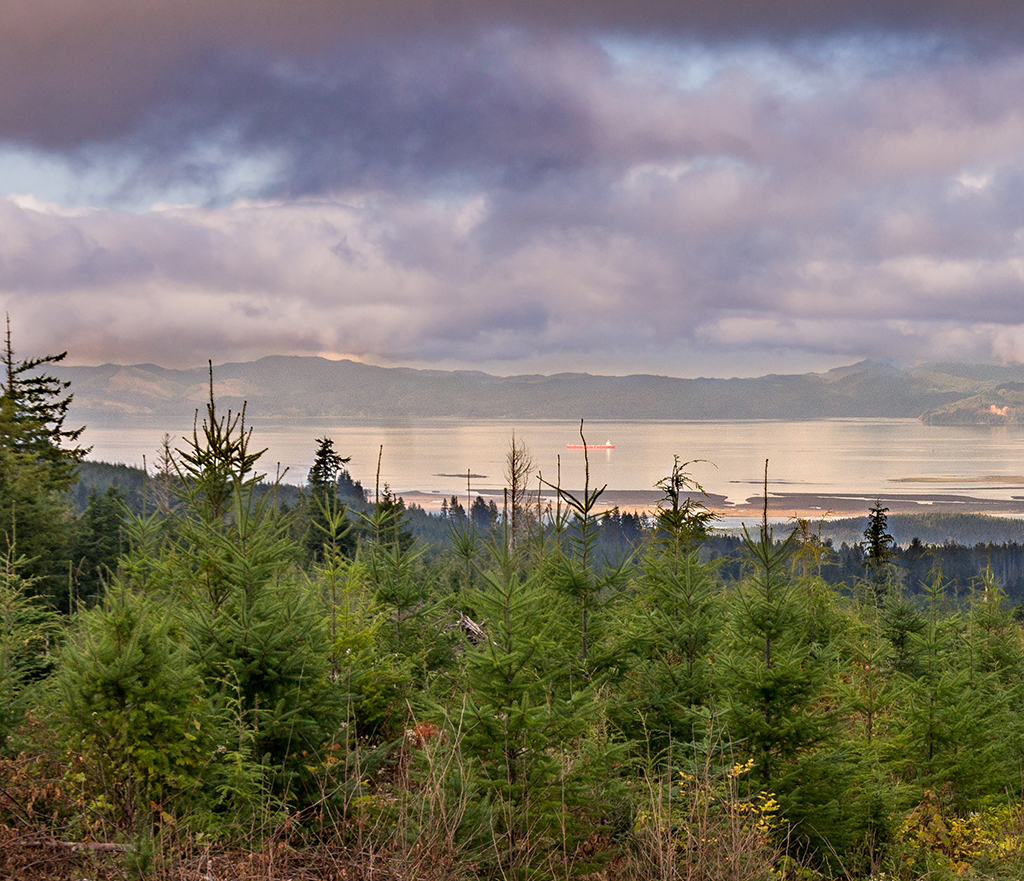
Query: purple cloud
[659, 183]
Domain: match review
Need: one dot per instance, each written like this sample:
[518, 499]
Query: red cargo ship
[605, 446]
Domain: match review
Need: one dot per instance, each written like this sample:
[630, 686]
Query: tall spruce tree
[38, 459]
[879, 550]
[33, 410]
[329, 527]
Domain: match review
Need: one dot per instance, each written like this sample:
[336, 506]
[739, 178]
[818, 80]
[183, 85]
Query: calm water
[868, 456]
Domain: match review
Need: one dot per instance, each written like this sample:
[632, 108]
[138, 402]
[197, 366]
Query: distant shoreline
[784, 505]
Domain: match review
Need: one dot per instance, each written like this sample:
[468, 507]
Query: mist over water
[870, 457]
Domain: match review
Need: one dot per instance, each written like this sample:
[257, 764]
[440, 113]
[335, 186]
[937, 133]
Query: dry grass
[411, 822]
[45, 835]
[702, 827]
[37, 857]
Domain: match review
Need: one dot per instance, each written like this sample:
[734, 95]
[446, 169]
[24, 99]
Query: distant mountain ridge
[295, 387]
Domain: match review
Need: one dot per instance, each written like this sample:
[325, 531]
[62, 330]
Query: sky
[654, 186]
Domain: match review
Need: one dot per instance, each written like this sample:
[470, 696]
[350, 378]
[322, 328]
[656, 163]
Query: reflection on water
[862, 456]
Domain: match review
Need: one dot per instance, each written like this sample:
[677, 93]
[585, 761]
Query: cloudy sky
[667, 186]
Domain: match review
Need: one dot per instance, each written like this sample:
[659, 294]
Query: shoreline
[781, 506]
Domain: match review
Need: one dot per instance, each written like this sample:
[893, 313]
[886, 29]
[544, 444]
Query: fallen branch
[95, 846]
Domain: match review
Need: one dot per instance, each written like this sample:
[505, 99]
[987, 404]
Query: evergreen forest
[207, 675]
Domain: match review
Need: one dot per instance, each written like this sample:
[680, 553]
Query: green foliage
[323, 476]
[370, 679]
[519, 727]
[775, 707]
[38, 458]
[673, 622]
[26, 629]
[97, 544]
[575, 570]
[670, 638]
[901, 622]
[254, 626]
[682, 522]
[131, 484]
[252, 623]
[129, 704]
[326, 527]
[772, 680]
[226, 541]
[37, 520]
[396, 574]
[950, 707]
[879, 549]
[388, 523]
[273, 648]
[33, 409]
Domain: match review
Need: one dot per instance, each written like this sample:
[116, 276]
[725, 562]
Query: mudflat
[814, 506]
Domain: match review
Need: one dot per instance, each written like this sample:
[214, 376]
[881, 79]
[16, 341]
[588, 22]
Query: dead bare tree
[518, 473]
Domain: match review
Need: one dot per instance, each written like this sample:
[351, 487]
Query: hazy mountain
[301, 388]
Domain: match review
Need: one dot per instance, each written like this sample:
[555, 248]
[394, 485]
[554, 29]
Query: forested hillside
[230, 684]
[304, 388]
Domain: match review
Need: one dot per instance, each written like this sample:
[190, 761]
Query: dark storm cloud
[93, 72]
[484, 112]
[334, 96]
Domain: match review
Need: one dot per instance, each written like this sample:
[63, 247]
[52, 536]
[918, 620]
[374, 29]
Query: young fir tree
[670, 632]
[369, 680]
[575, 569]
[866, 695]
[519, 728]
[368, 676]
[772, 679]
[130, 707]
[901, 622]
[394, 566]
[995, 652]
[27, 627]
[949, 708]
[255, 627]
[772, 688]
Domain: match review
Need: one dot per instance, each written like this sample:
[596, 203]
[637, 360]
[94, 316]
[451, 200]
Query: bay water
[873, 457]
